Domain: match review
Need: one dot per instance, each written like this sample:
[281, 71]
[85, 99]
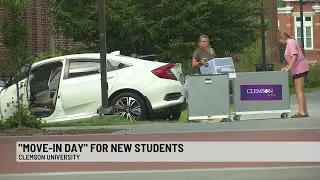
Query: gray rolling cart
[208, 97]
[261, 92]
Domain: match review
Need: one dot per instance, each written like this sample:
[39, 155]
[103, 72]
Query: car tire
[130, 106]
[174, 116]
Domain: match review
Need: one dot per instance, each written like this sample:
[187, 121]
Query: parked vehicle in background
[68, 87]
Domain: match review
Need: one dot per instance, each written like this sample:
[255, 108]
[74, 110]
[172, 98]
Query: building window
[307, 31]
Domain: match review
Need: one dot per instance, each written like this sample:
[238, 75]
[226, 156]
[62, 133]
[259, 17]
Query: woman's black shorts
[300, 75]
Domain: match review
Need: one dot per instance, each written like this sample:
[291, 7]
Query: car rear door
[80, 88]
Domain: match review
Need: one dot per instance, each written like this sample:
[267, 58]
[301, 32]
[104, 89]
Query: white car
[69, 87]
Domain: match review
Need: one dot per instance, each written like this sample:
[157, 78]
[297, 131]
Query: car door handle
[21, 85]
[109, 77]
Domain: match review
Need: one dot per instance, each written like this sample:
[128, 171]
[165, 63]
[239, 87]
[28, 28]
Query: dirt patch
[39, 132]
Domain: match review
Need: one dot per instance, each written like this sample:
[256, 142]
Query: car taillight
[164, 72]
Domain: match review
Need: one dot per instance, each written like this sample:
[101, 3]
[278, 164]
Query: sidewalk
[313, 104]
[257, 122]
[246, 125]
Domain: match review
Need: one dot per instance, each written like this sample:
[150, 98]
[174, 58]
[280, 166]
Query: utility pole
[263, 38]
[272, 40]
[104, 109]
[301, 25]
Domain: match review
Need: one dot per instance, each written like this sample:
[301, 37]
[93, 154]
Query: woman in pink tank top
[299, 68]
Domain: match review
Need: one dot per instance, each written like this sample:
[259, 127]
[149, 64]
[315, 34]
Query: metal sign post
[105, 109]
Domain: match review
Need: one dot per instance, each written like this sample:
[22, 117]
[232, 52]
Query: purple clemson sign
[265, 92]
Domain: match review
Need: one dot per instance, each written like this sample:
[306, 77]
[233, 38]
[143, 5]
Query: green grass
[100, 121]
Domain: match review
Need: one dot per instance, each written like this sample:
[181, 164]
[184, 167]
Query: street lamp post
[105, 109]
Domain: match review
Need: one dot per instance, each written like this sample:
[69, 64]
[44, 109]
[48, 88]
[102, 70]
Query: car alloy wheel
[128, 107]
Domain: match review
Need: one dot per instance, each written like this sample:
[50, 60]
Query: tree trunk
[19, 105]
[272, 33]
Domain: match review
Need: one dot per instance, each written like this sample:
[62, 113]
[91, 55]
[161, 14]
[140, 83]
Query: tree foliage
[230, 24]
[78, 19]
[280, 3]
[166, 27]
[14, 34]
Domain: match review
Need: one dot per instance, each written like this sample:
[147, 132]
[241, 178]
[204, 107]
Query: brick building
[289, 21]
[38, 23]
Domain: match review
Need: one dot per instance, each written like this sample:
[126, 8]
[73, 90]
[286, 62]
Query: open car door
[8, 97]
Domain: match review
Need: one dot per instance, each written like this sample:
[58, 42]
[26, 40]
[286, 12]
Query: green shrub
[2, 126]
[25, 116]
[252, 55]
[282, 49]
[76, 49]
[47, 55]
[313, 80]
[27, 120]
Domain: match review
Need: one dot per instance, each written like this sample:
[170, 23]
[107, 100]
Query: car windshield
[149, 57]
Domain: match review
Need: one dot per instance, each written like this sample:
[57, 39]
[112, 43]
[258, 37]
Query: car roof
[87, 55]
[60, 58]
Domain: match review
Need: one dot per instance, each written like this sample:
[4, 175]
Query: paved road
[283, 173]
[208, 170]
[249, 125]
[7, 149]
[313, 104]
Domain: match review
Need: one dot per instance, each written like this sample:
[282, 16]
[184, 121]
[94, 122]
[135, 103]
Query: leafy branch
[14, 36]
